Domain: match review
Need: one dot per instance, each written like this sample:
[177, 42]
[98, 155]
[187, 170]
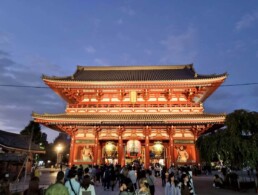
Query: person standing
[171, 187]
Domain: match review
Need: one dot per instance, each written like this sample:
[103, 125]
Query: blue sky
[52, 37]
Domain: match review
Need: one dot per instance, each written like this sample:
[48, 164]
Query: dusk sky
[52, 37]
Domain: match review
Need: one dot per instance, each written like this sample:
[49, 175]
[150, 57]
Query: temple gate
[119, 114]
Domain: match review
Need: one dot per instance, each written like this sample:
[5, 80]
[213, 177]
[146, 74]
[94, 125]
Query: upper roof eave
[66, 79]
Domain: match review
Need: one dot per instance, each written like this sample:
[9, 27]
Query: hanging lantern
[133, 148]
[110, 149]
[158, 149]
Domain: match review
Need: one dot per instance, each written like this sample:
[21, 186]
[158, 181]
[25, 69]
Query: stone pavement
[203, 185]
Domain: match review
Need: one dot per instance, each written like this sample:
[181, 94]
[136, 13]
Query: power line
[43, 87]
[25, 86]
[239, 84]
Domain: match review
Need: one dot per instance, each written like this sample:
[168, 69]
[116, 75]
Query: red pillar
[120, 151]
[96, 149]
[168, 155]
[147, 152]
[99, 161]
[171, 146]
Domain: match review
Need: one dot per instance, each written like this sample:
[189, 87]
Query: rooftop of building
[135, 73]
[17, 141]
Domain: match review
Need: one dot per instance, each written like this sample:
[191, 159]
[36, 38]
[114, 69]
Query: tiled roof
[12, 157]
[17, 141]
[134, 73]
[128, 118]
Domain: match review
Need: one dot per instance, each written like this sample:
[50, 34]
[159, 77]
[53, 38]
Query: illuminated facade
[118, 114]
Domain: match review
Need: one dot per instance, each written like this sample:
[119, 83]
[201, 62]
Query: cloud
[180, 48]
[147, 51]
[90, 49]
[17, 103]
[247, 21]
[127, 10]
[3, 54]
[99, 61]
[4, 38]
[120, 21]
[238, 45]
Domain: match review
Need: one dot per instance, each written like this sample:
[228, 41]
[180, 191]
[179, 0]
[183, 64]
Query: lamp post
[59, 149]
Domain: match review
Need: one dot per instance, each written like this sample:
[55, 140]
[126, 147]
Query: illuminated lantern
[158, 149]
[110, 150]
[133, 148]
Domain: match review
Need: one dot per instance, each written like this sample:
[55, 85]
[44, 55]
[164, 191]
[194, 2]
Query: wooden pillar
[147, 152]
[171, 146]
[170, 155]
[71, 155]
[120, 151]
[147, 147]
[99, 160]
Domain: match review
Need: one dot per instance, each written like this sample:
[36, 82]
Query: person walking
[33, 187]
[58, 187]
[171, 187]
[144, 187]
[86, 186]
[186, 187]
[151, 181]
[72, 184]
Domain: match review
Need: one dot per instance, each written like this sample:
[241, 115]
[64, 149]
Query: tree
[64, 140]
[237, 144]
[36, 129]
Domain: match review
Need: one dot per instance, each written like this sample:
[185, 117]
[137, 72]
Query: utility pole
[28, 155]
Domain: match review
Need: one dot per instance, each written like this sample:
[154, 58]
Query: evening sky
[52, 37]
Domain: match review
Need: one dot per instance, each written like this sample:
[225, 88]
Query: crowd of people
[131, 179]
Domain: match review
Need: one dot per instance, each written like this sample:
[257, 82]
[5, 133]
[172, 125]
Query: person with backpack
[72, 184]
[86, 186]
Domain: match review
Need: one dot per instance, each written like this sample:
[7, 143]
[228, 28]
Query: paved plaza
[202, 184]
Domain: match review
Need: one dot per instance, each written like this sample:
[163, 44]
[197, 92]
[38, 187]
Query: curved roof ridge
[55, 77]
[135, 67]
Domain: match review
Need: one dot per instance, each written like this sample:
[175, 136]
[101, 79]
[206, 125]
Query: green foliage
[63, 140]
[36, 129]
[237, 144]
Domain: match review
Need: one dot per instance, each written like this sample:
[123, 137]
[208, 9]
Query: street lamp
[59, 149]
